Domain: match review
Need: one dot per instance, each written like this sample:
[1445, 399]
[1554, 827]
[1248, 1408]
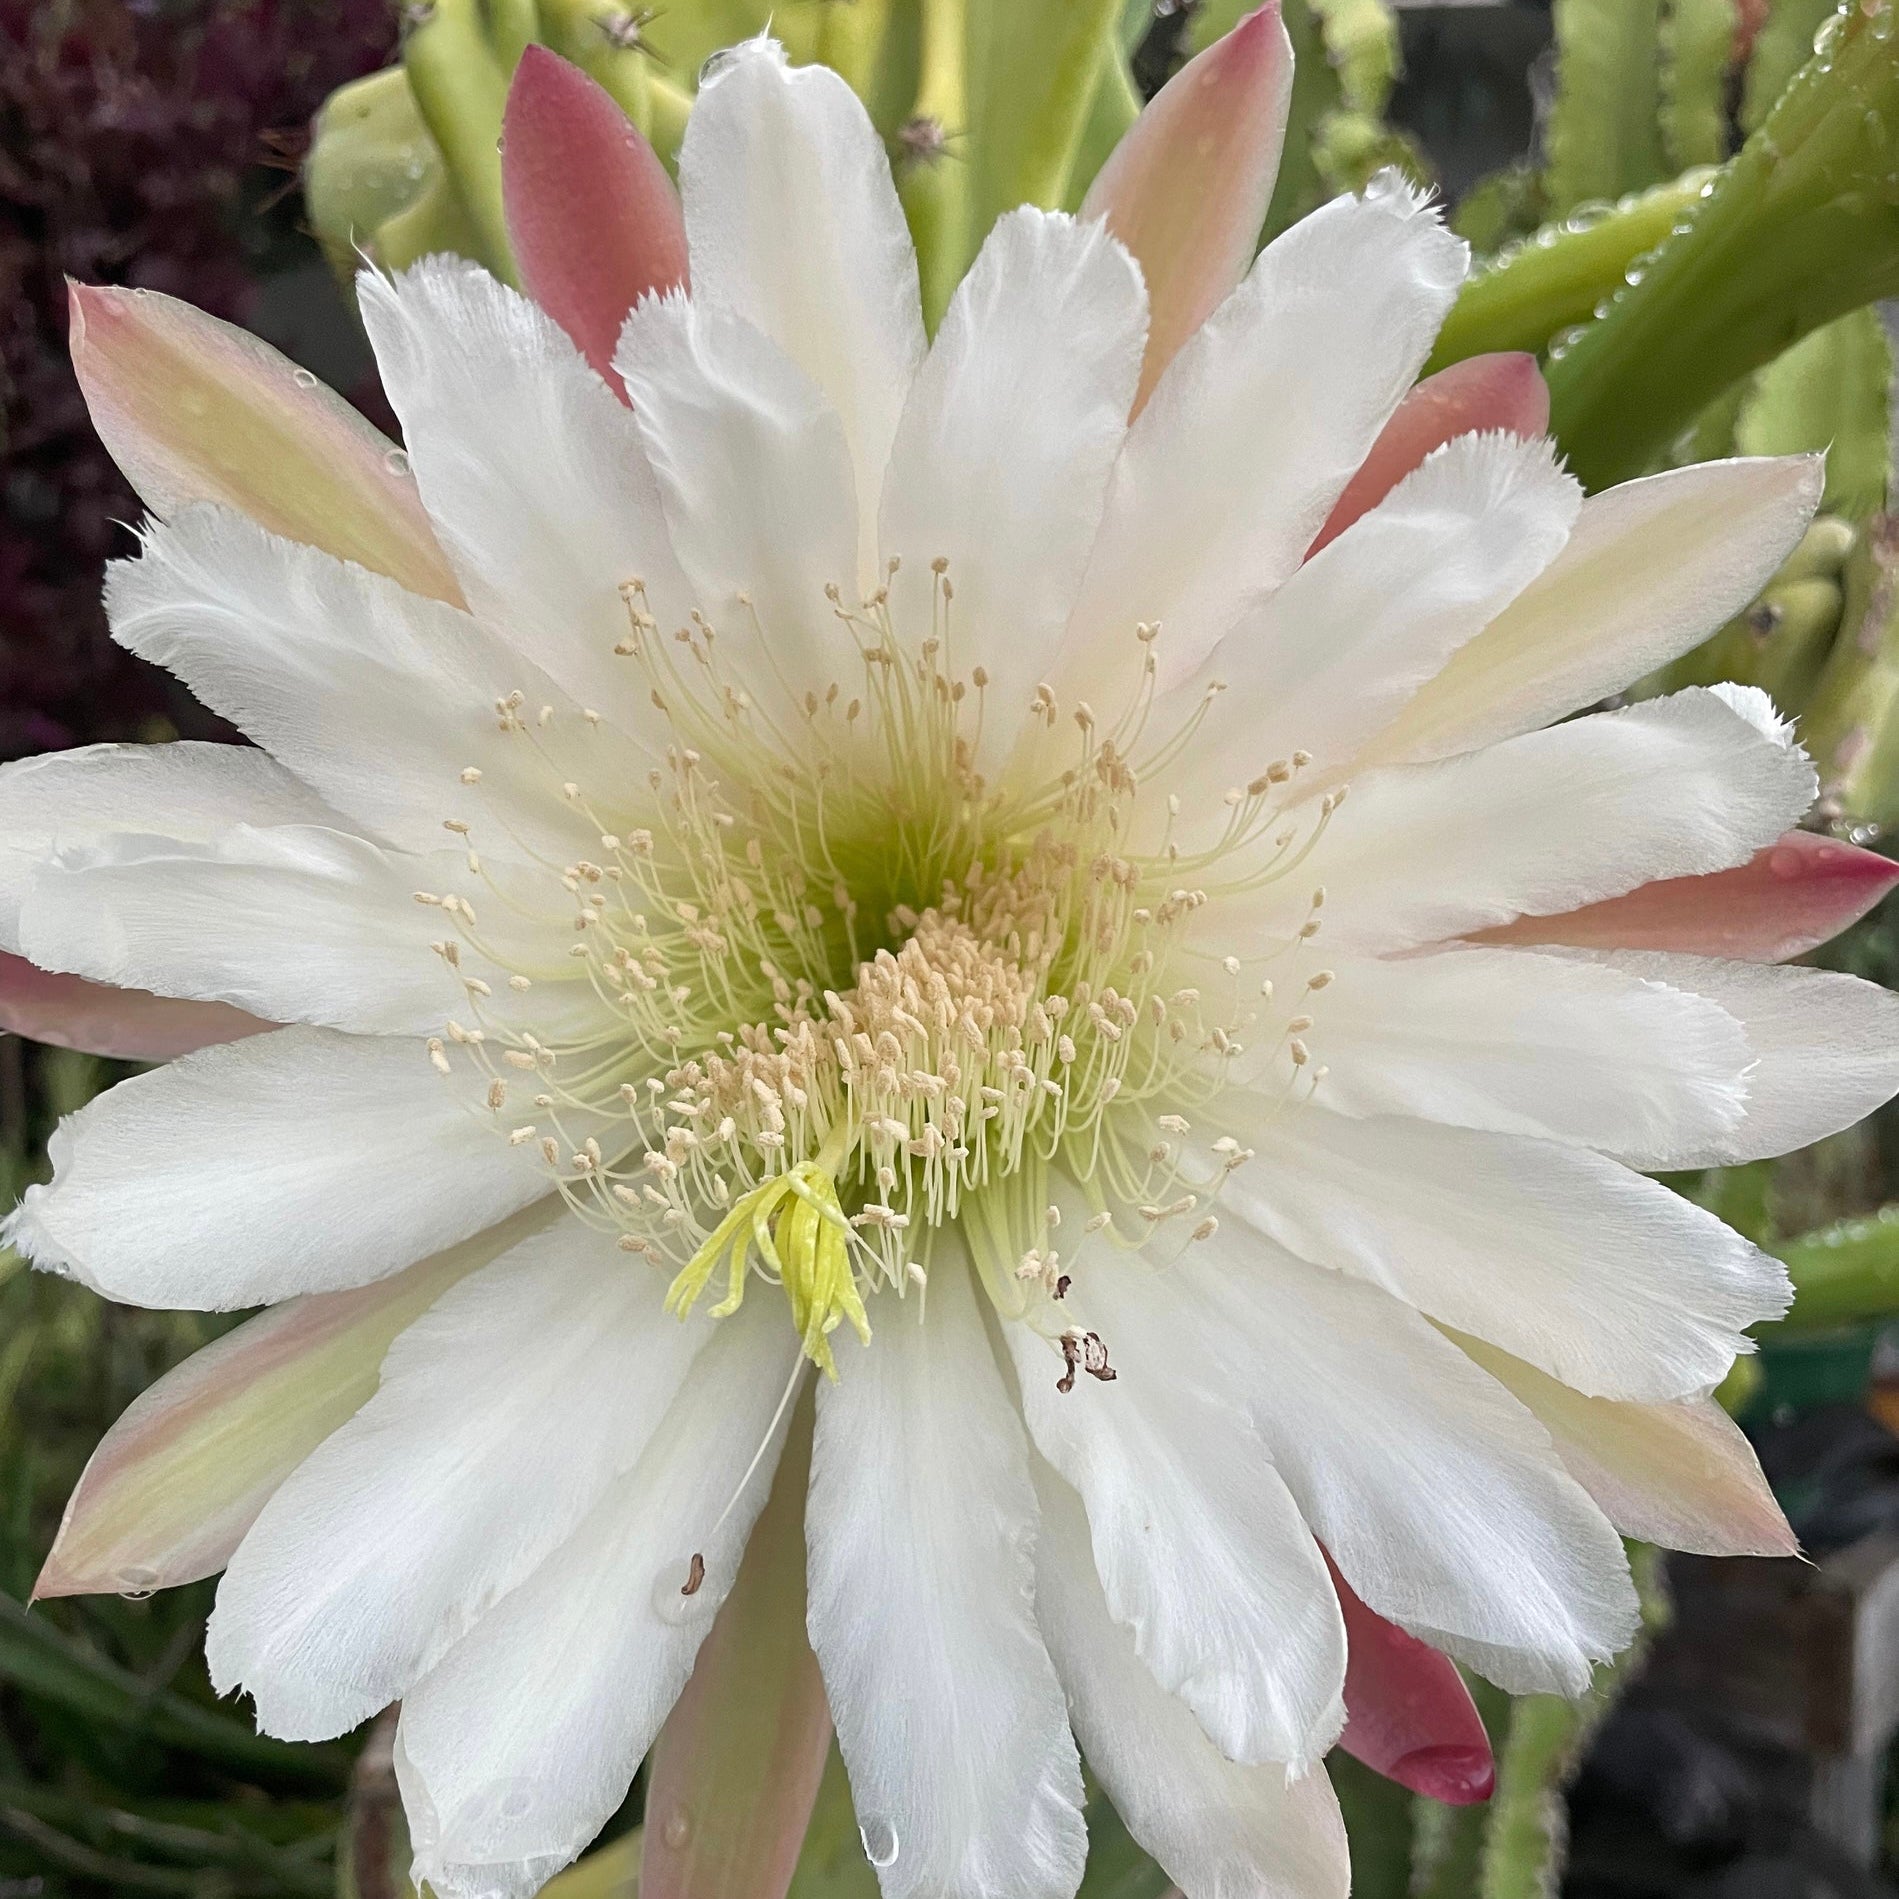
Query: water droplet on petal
[677, 1829]
[880, 1841]
[396, 460]
[137, 1582]
[303, 378]
[1783, 863]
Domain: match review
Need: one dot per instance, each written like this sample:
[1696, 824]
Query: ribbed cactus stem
[461, 86]
[1846, 1273]
[1852, 722]
[1553, 281]
[932, 158]
[1525, 1831]
[1799, 228]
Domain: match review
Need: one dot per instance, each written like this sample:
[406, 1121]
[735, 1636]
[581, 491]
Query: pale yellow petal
[197, 410]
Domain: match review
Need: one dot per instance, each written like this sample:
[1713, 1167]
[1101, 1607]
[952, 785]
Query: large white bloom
[862, 858]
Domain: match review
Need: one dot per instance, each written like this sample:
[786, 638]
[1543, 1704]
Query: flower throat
[858, 993]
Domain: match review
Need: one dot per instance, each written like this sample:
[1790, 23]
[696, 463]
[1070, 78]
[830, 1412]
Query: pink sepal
[1408, 1714]
[1186, 189]
[593, 218]
[1504, 391]
[127, 1024]
[1782, 902]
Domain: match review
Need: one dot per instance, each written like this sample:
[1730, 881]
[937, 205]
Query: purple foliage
[141, 142]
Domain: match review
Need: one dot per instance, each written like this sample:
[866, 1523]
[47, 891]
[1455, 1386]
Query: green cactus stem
[1799, 228]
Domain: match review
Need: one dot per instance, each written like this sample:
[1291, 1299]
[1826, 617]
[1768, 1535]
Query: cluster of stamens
[1015, 998]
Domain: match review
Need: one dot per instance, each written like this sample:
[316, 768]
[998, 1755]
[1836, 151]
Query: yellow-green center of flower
[843, 991]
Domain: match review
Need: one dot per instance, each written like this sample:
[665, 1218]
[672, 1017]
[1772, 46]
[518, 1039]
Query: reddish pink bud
[1186, 190]
[126, 1024]
[1408, 1714]
[1503, 391]
[593, 218]
[1782, 902]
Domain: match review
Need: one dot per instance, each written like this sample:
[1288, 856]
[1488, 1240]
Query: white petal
[1204, 1556]
[298, 924]
[1827, 1047]
[293, 923]
[1329, 656]
[921, 1529]
[1543, 823]
[376, 698]
[1002, 457]
[1438, 1495]
[1653, 567]
[1599, 1276]
[1258, 423]
[185, 790]
[1218, 1830]
[1680, 1475]
[793, 221]
[533, 473]
[755, 476]
[516, 1748]
[503, 1414]
[174, 1485]
[298, 1161]
[1521, 1043]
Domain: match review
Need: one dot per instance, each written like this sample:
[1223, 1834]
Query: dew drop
[677, 1829]
[303, 378]
[137, 1582]
[880, 1841]
[1784, 864]
[139, 290]
[396, 460]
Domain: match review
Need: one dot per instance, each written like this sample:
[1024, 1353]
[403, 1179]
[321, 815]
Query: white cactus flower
[811, 861]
